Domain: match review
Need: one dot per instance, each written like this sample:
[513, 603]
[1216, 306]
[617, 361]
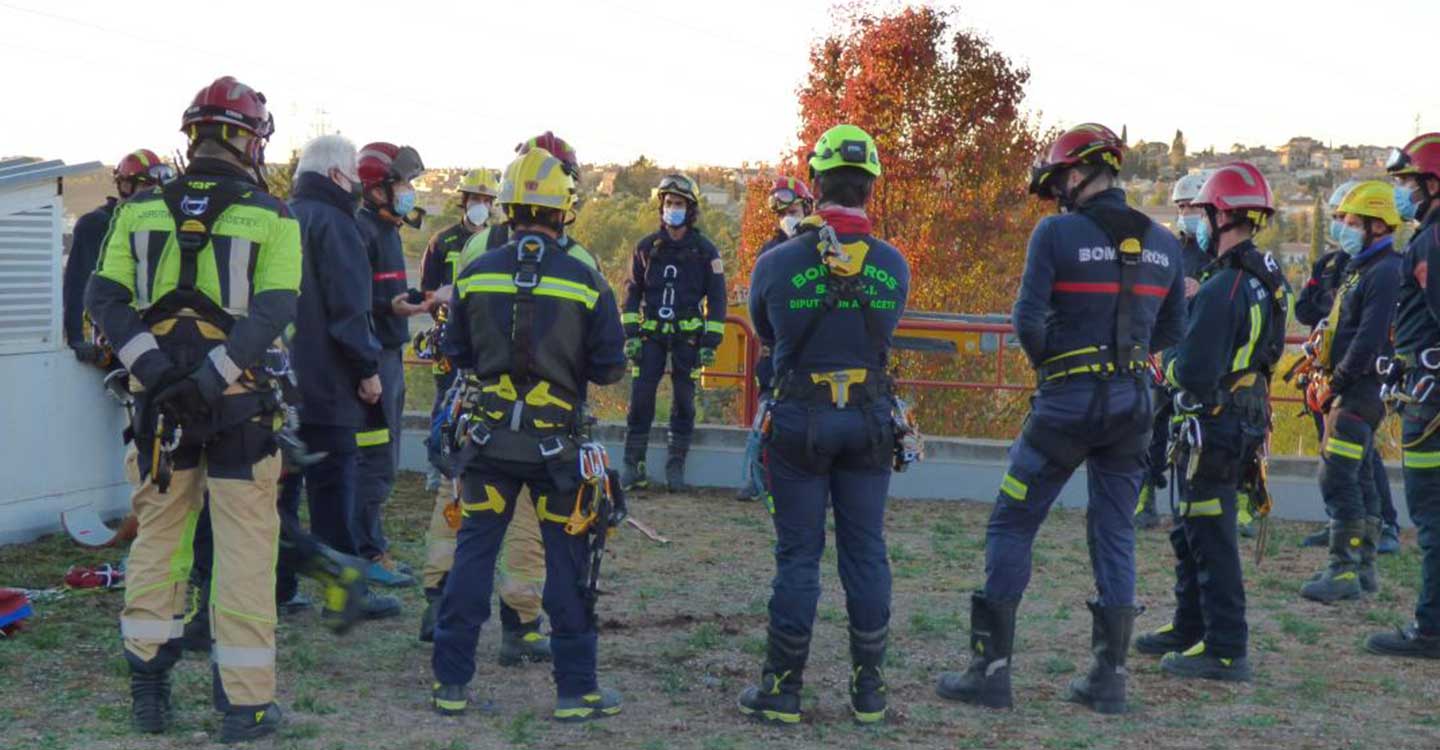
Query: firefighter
[1416, 169]
[192, 313]
[532, 327]
[139, 170]
[674, 312]
[1221, 370]
[386, 171]
[1103, 288]
[791, 201]
[1358, 332]
[830, 436]
[1193, 260]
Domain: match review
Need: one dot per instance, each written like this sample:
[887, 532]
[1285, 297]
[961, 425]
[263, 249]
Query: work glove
[707, 357]
[87, 353]
[711, 340]
[192, 397]
[633, 346]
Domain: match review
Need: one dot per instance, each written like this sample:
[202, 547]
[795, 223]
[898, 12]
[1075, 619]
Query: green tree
[638, 178]
[280, 179]
[1317, 232]
[1177, 153]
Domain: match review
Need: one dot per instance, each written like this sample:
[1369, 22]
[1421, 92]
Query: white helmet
[1340, 192]
[1187, 187]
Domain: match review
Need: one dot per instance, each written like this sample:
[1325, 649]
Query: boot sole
[1002, 703]
[591, 715]
[777, 718]
[1402, 654]
[248, 735]
[869, 718]
[1216, 676]
[1109, 708]
[1161, 651]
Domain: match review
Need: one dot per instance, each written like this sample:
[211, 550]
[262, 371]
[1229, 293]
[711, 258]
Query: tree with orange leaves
[944, 109]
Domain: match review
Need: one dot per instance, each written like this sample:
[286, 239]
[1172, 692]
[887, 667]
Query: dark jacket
[775, 240]
[1417, 317]
[1366, 300]
[1070, 288]
[786, 294]
[387, 273]
[1220, 326]
[1316, 297]
[84, 254]
[576, 337]
[1192, 259]
[698, 278]
[438, 267]
[333, 348]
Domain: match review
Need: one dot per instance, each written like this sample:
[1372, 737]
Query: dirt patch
[683, 631]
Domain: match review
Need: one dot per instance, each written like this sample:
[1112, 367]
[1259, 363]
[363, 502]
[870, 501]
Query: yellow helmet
[536, 178]
[481, 181]
[1374, 199]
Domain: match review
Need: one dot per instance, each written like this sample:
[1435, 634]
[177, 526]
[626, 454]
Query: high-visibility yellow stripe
[715, 326]
[1072, 353]
[1016, 489]
[1422, 459]
[372, 438]
[1243, 354]
[1344, 449]
[1202, 508]
[629, 317]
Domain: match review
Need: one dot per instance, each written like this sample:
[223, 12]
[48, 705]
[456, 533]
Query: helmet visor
[160, 174]
[782, 198]
[406, 165]
[678, 184]
[1397, 161]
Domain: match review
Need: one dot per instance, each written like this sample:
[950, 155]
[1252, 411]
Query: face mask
[477, 214]
[1336, 226]
[404, 202]
[1202, 234]
[674, 217]
[1405, 202]
[1189, 224]
[788, 225]
[1351, 240]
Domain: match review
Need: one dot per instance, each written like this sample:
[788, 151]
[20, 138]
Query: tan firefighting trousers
[242, 596]
[520, 570]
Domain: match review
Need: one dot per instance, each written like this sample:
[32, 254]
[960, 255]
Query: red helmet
[786, 190]
[229, 102]
[1088, 143]
[380, 163]
[1421, 156]
[1238, 186]
[558, 148]
[144, 166]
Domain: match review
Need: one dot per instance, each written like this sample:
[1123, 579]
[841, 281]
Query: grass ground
[683, 632]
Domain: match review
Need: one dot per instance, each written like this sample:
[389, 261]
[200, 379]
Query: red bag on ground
[14, 607]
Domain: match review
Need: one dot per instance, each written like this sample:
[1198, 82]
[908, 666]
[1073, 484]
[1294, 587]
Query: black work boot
[343, 579]
[867, 678]
[1369, 545]
[523, 643]
[676, 453]
[1197, 663]
[1165, 639]
[992, 638]
[150, 709]
[432, 611]
[247, 723]
[1341, 578]
[777, 698]
[1103, 688]
[1407, 642]
[633, 476]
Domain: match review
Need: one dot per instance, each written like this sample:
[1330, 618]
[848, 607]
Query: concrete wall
[955, 468]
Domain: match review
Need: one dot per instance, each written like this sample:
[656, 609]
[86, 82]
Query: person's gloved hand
[191, 397]
[87, 353]
[633, 346]
[711, 340]
[707, 357]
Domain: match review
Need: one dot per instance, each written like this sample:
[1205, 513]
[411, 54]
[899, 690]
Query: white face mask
[477, 213]
[788, 225]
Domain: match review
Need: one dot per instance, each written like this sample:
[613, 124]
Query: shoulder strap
[195, 202]
[1125, 227]
[1266, 270]
[837, 289]
[529, 253]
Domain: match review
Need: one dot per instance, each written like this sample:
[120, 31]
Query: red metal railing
[750, 347]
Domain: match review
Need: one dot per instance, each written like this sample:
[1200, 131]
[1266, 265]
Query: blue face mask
[404, 202]
[1335, 226]
[1189, 224]
[1405, 202]
[1202, 234]
[1351, 240]
[674, 217]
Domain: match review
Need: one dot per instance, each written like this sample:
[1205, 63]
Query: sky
[684, 83]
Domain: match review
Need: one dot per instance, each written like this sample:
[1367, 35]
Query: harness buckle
[551, 446]
[670, 272]
[1430, 358]
[527, 278]
[665, 313]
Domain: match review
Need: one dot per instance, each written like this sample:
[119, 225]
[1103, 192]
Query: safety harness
[667, 322]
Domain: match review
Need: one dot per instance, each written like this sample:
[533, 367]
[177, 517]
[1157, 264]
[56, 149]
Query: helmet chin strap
[1069, 199]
